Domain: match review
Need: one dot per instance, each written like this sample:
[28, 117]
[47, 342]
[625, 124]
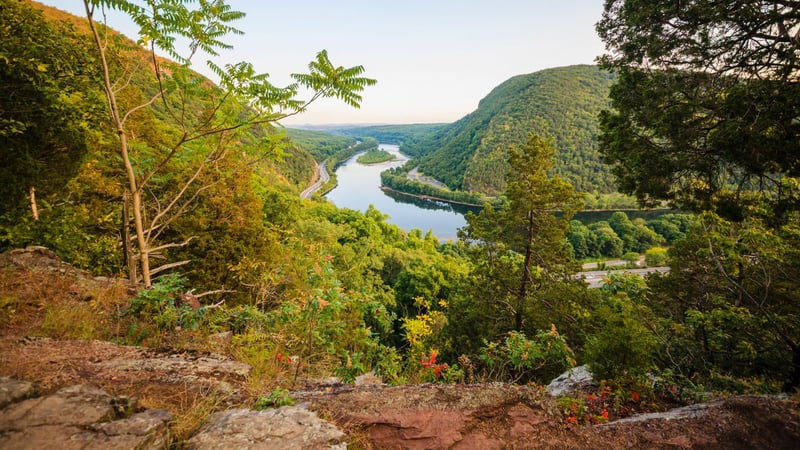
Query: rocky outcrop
[577, 379]
[78, 417]
[484, 416]
[288, 427]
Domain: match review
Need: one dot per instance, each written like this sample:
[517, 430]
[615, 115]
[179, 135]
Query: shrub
[621, 345]
[518, 358]
[656, 256]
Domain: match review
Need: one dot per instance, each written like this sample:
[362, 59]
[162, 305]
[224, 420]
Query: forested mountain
[560, 104]
[391, 134]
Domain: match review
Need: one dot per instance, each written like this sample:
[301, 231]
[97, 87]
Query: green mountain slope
[560, 103]
[390, 134]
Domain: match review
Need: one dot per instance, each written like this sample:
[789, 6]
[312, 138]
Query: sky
[434, 59]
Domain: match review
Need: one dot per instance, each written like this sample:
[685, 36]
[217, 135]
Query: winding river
[360, 186]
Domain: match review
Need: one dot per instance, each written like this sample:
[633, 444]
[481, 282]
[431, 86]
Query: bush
[518, 358]
[656, 256]
[621, 345]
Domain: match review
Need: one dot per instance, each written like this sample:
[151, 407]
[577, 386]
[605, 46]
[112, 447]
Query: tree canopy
[705, 108]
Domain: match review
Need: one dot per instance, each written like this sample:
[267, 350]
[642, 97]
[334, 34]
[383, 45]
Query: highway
[321, 177]
[594, 278]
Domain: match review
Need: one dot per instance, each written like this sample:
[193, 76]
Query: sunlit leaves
[162, 23]
[328, 80]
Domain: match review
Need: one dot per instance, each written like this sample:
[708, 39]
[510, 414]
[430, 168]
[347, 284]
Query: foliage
[729, 301]
[561, 104]
[319, 144]
[620, 344]
[277, 398]
[208, 121]
[610, 401]
[397, 179]
[45, 105]
[683, 125]
[518, 249]
[160, 310]
[375, 156]
[518, 358]
[655, 257]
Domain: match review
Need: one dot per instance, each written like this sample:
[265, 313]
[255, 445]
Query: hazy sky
[433, 59]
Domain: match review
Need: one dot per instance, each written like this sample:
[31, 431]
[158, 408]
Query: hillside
[560, 103]
[391, 134]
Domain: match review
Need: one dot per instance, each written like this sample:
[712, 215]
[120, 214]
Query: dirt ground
[482, 416]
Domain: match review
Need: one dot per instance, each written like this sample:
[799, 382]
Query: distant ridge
[560, 103]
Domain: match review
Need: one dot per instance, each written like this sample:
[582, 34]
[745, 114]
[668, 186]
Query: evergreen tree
[519, 248]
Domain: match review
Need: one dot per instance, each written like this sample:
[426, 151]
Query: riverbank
[430, 197]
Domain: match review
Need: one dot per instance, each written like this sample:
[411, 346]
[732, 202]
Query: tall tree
[706, 104]
[520, 246]
[208, 120]
[706, 114]
[44, 105]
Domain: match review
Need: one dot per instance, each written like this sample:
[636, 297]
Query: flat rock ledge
[84, 417]
[76, 417]
[288, 427]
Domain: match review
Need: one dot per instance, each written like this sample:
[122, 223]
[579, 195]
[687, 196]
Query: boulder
[79, 417]
[14, 390]
[288, 427]
[570, 382]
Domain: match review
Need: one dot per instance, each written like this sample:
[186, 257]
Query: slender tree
[210, 120]
[519, 247]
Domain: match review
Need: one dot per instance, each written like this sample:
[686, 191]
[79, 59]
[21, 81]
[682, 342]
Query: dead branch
[169, 266]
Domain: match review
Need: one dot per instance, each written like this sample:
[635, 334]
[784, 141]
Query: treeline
[388, 134]
[319, 144]
[620, 235]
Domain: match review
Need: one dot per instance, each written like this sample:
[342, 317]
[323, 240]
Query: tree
[520, 246]
[209, 120]
[44, 106]
[733, 291]
[705, 115]
[706, 103]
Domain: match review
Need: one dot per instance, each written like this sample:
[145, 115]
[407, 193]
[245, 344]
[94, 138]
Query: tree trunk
[526, 274]
[34, 209]
[125, 231]
[793, 382]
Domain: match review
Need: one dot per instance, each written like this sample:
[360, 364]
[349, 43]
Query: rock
[13, 391]
[368, 378]
[81, 417]
[432, 416]
[420, 429]
[39, 258]
[571, 381]
[686, 412]
[221, 340]
[70, 406]
[289, 427]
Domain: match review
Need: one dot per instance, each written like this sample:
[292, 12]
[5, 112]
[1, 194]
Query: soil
[484, 416]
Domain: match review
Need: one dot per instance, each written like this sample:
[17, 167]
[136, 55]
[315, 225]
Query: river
[359, 186]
